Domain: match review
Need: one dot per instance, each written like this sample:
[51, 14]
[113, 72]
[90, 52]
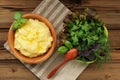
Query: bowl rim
[40, 58]
[87, 62]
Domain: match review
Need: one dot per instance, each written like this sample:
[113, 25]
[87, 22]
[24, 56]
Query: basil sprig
[19, 20]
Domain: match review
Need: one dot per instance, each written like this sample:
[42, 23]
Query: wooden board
[109, 12]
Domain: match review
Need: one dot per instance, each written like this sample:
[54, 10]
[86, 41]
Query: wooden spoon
[71, 54]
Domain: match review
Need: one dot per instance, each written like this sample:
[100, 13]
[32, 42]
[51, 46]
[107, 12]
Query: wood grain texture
[14, 70]
[115, 55]
[109, 12]
[8, 8]
[106, 72]
[114, 36]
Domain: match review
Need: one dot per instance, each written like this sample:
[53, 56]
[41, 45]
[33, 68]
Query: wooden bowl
[40, 58]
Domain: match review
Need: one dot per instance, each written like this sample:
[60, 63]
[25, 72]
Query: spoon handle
[55, 69]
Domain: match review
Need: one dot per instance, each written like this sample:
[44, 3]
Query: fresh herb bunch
[19, 20]
[86, 33]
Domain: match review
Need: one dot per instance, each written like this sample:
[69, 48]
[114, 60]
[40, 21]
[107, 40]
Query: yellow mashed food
[33, 38]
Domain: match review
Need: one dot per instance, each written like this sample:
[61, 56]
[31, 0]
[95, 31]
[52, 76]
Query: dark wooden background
[109, 12]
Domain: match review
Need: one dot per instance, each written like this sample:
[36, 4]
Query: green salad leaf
[88, 34]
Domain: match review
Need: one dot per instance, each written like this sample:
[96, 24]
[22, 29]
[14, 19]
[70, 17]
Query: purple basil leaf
[91, 57]
[96, 46]
[85, 53]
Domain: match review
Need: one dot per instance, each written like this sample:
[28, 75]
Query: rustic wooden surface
[109, 12]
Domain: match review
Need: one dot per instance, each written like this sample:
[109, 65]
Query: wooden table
[109, 12]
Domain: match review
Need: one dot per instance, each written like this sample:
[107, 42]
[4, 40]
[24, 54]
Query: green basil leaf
[62, 49]
[23, 20]
[18, 15]
[68, 44]
[15, 25]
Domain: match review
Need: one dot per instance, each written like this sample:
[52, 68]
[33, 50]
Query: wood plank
[4, 54]
[115, 54]
[100, 6]
[3, 35]
[114, 36]
[108, 71]
[14, 70]
[107, 10]
[8, 8]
